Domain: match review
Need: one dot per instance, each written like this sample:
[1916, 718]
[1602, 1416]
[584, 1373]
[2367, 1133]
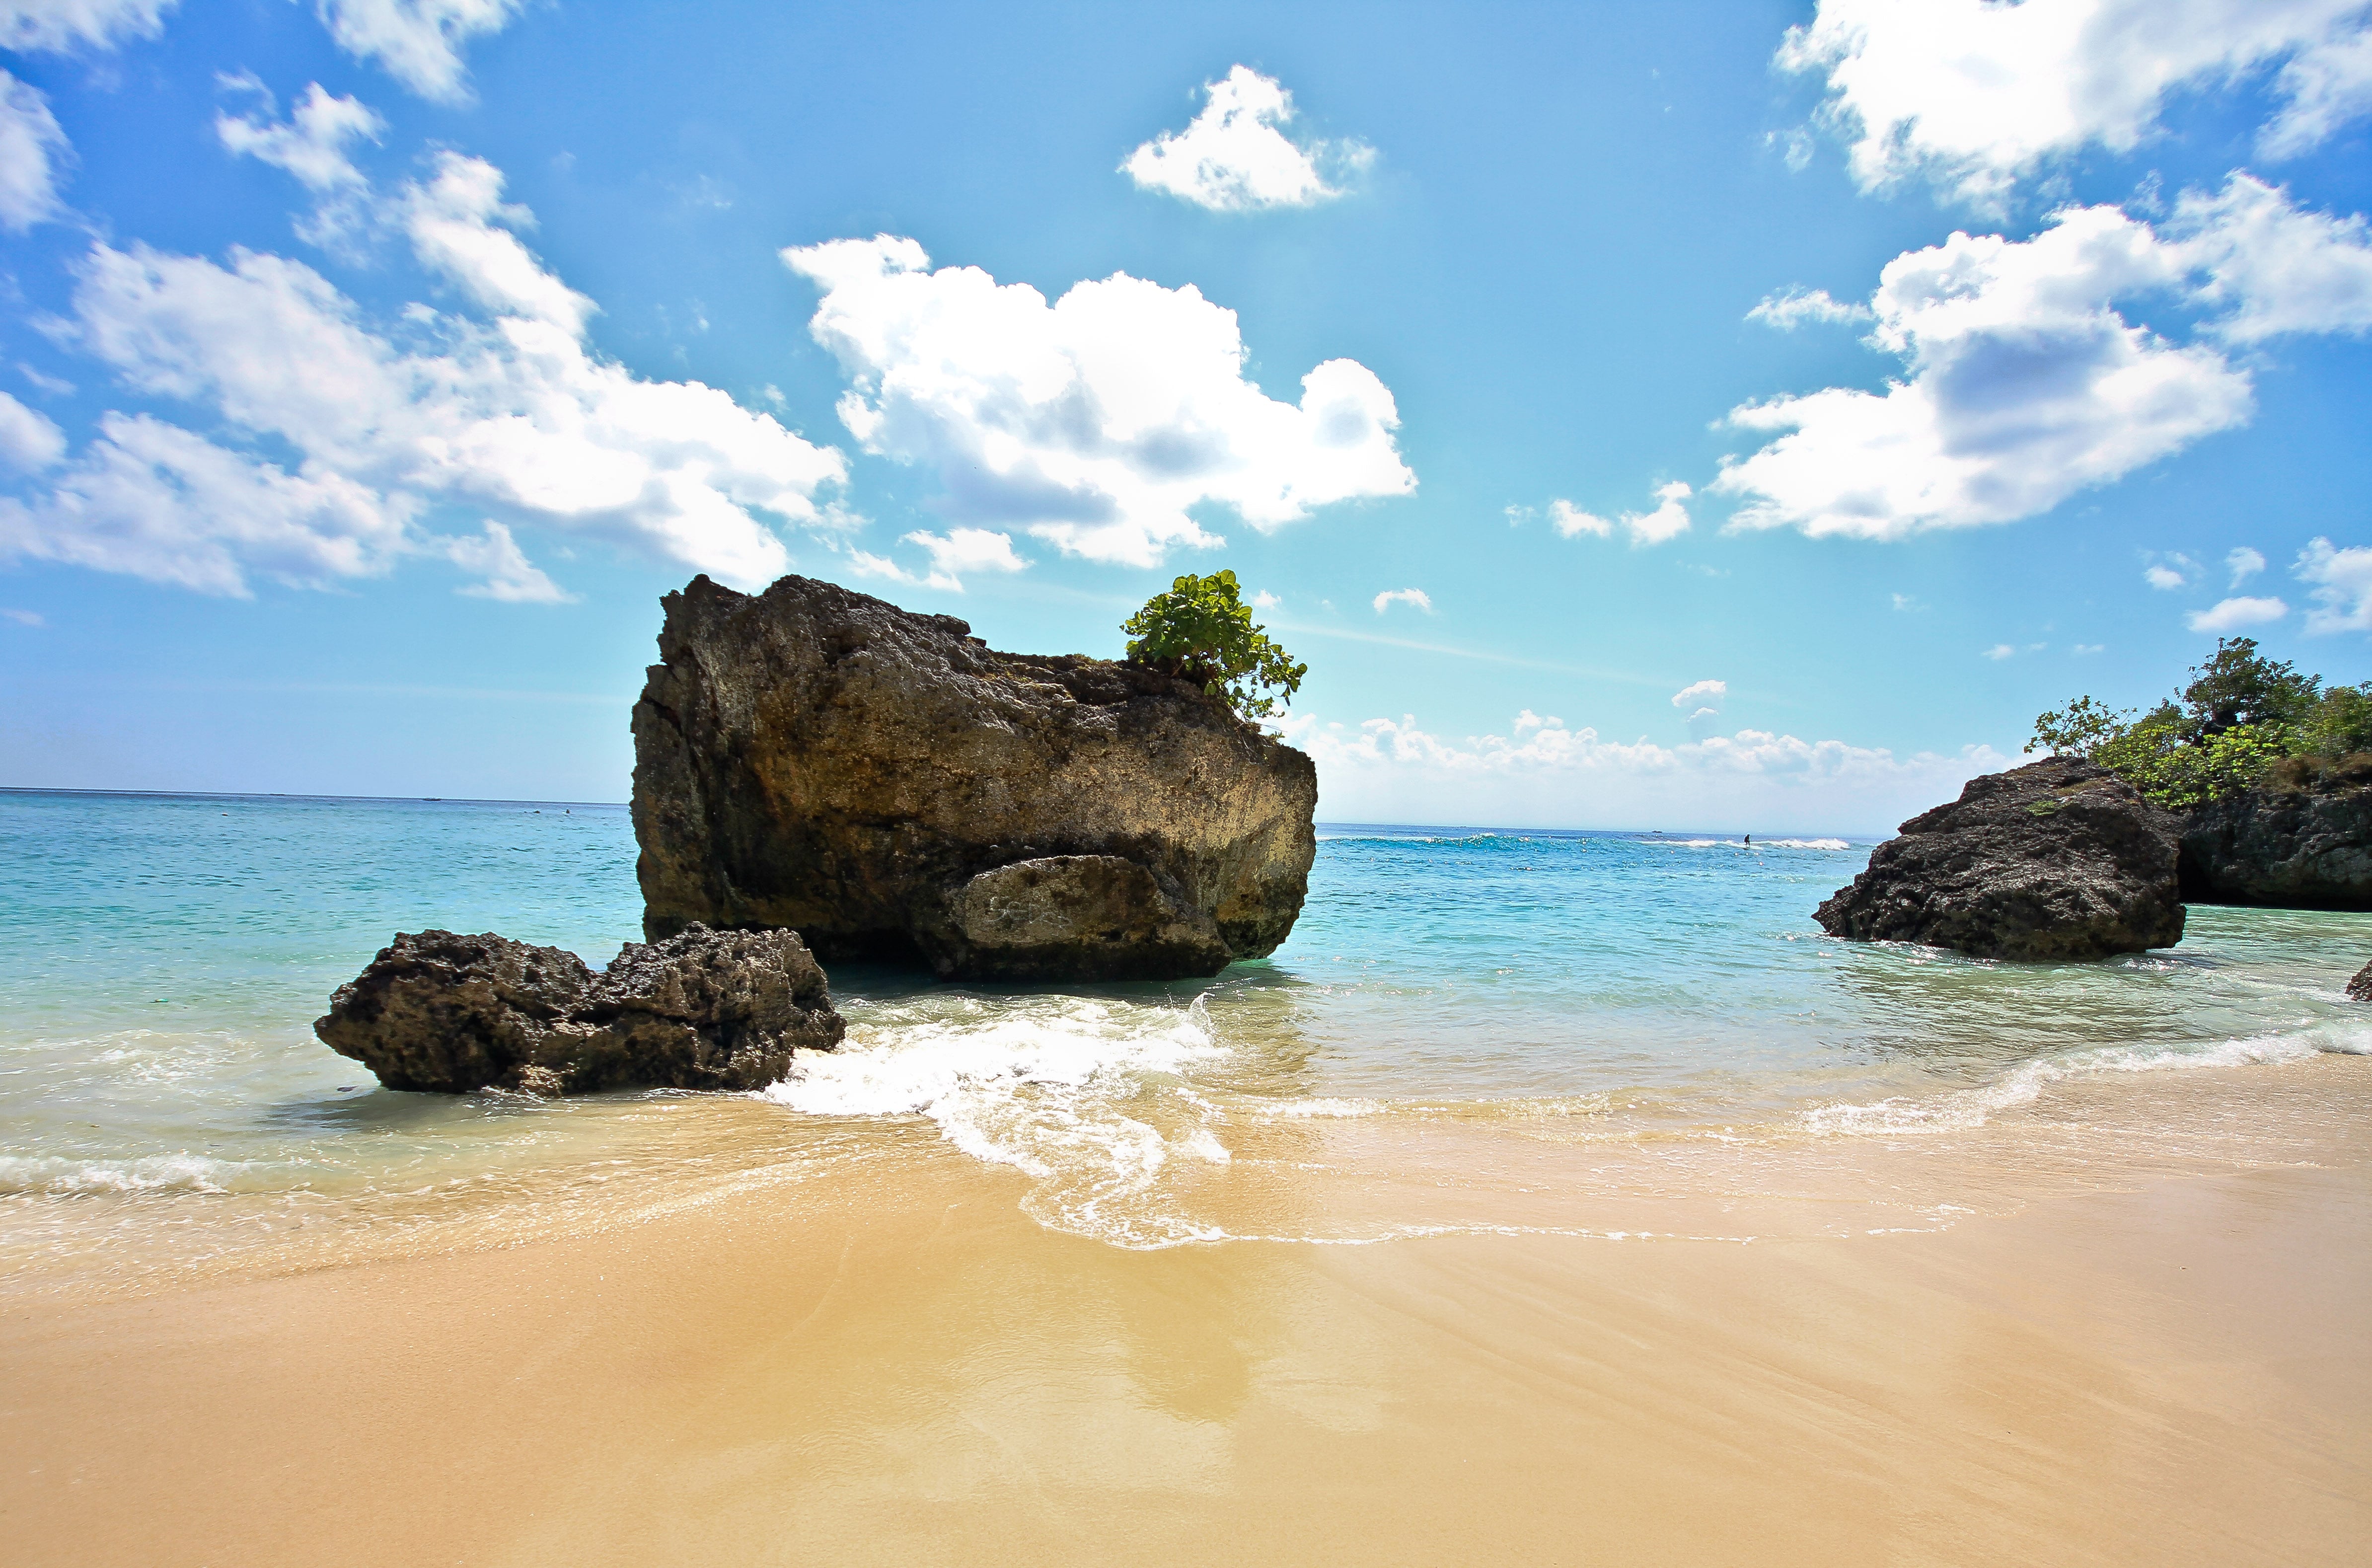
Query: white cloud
[509, 574]
[1266, 600]
[1569, 519]
[29, 441]
[512, 413]
[1545, 774]
[2243, 563]
[2279, 268]
[1710, 692]
[32, 26]
[2327, 86]
[2026, 387]
[1794, 307]
[151, 500]
[1906, 604]
[1975, 94]
[2343, 592]
[1096, 421]
[311, 144]
[24, 617]
[418, 42]
[956, 550]
[1415, 599]
[2231, 614]
[1233, 156]
[2082, 648]
[2165, 577]
[1999, 651]
[1669, 521]
[32, 147]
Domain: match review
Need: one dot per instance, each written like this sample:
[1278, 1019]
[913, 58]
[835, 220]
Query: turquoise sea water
[165, 957]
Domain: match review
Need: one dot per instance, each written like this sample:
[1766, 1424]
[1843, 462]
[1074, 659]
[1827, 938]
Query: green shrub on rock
[1201, 630]
[2242, 718]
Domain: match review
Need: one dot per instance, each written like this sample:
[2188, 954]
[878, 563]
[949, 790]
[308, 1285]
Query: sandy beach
[2154, 1366]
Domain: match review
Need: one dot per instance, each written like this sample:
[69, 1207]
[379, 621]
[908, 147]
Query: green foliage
[2242, 716]
[1201, 629]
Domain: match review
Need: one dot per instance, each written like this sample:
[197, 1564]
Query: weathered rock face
[2360, 988]
[2059, 859]
[702, 1010]
[887, 786]
[2301, 841]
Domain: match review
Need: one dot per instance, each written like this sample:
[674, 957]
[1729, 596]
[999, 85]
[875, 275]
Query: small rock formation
[2300, 839]
[702, 1010]
[887, 786]
[2058, 859]
[2360, 988]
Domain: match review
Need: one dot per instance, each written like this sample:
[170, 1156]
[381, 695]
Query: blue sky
[372, 367]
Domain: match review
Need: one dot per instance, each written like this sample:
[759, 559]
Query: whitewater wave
[1091, 1099]
[1758, 843]
[63, 1176]
[1963, 1109]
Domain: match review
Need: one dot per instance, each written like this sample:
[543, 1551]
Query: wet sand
[2174, 1368]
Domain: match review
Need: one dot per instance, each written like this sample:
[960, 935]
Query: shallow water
[1459, 1022]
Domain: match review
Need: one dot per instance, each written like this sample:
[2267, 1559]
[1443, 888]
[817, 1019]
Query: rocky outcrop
[2059, 859]
[701, 1010]
[2360, 988]
[888, 786]
[2300, 839]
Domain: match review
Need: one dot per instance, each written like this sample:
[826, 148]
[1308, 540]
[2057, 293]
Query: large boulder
[889, 787]
[2059, 859]
[2300, 839]
[702, 1010]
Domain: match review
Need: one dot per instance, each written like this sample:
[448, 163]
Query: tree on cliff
[2242, 715]
[1201, 629]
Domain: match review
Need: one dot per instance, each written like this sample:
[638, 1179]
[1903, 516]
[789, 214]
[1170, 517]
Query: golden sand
[2145, 1365]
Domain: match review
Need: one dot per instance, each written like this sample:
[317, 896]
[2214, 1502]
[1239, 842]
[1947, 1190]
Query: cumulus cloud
[1235, 157]
[2231, 614]
[2171, 571]
[1098, 422]
[342, 437]
[1569, 520]
[1415, 599]
[951, 555]
[2271, 266]
[1999, 651]
[2026, 387]
[1669, 521]
[1705, 693]
[419, 42]
[2342, 587]
[1795, 307]
[55, 26]
[31, 148]
[311, 144]
[2243, 563]
[509, 574]
[1544, 773]
[1975, 94]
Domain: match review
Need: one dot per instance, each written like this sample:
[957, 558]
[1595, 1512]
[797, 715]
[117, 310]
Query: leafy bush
[2242, 718]
[1201, 630]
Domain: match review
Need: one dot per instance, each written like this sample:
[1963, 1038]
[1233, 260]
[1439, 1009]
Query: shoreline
[2142, 1363]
